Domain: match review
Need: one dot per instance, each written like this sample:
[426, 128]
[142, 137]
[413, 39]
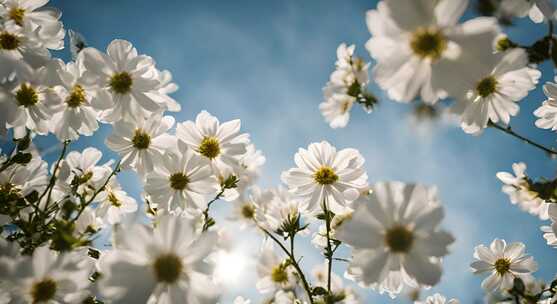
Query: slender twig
[509, 131]
[329, 253]
[206, 211]
[53, 177]
[292, 258]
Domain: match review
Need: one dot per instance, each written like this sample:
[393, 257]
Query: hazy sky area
[266, 62]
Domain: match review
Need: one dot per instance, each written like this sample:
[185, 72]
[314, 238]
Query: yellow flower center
[428, 43]
[209, 147]
[248, 211]
[141, 140]
[9, 41]
[486, 86]
[502, 266]
[325, 176]
[44, 290]
[399, 239]
[76, 97]
[168, 268]
[17, 14]
[121, 83]
[113, 200]
[278, 274]
[178, 181]
[26, 96]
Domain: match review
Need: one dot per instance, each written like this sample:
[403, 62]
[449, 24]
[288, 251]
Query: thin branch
[206, 211]
[509, 131]
[329, 253]
[292, 259]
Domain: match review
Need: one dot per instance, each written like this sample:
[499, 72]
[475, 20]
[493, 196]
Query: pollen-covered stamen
[113, 199]
[428, 43]
[209, 147]
[121, 83]
[487, 86]
[399, 239]
[16, 14]
[9, 41]
[168, 268]
[325, 176]
[179, 181]
[26, 96]
[43, 291]
[76, 97]
[141, 140]
[248, 211]
[278, 274]
[502, 266]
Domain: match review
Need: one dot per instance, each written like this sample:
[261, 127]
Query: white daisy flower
[284, 210]
[409, 40]
[537, 10]
[165, 264]
[184, 181]
[518, 188]
[319, 239]
[141, 142]
[437, 299]
[114, 203]
[252, 206]
[222, 144]
[128, 84]
[250, 167]
[47, 277]
[88, 222]
[166, 87]
[33, 16]
[30, 102]
[547, 112]
[274, 273]
[76, 114]
[79, 172]
[396, 238]
[241, 300]
[336, 109]
[550, 232]
[17, 43]
[322, 173]
[493, 95]
[503, 263]
[19, 181]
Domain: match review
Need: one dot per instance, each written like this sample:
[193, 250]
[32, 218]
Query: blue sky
[265, 62]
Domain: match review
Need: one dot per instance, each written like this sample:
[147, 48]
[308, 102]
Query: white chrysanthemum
[88, 222]
[537, 10]
[437, 299]
[252, 206]
[336, 109]
[284, 210]
[409, 39]
[141, 142]
[33, 16]
[325, 174]
[273, 272]
[503, 263]
[550, 232]
[319, 239]
[346, 294]
[22, 180]
[250, 167]
[17, 43]
[47, 277]
[128, 85]
[166, 87]
[547, 112]
[76, 114]
[165, 264]
[396, 237]
[241, 300]
[517, 187]
[184, 181]
[114, 203]
[222, 144]
[79, 171]
[493, 96]
[30, 102]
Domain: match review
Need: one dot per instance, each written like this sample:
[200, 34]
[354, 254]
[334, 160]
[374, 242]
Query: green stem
[329, 253]
[292, 258]
[509, 131]
[206, 211]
